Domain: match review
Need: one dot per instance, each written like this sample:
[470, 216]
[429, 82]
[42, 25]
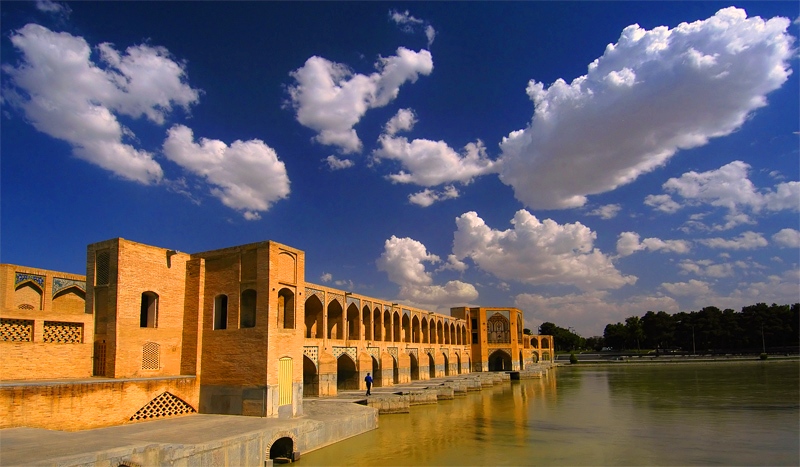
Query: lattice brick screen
[62, 332]
[16, 330]
[165, 405]
[150, 356]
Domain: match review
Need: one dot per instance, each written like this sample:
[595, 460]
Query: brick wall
[84, 405]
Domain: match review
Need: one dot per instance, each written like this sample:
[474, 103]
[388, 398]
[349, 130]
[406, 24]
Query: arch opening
[499, 361]
[346, 374]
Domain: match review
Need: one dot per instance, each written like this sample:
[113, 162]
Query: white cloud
[409, 24]
[663, 203]
[628, 243]
[427, 196]
[247, 175]
[705, 268]
[584, 311]
[334, 163]
[608, 211]
[649, 95]
[67, 96]
[326, 277]
[691, 288]
[403, 120]
[782, 289]
[535, 252]
[330, 99]
[745, 241]
[729, 187]
[430, 163]
[453, 264]
[49, 6]
[788, 238]
[403, 260]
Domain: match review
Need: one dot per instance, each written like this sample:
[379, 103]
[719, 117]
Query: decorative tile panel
[375, 352]
[151, 356]
[413, 352]
[429, 350]
[350, 351]
[336, 296]
[312, 352]
[393, 352]
[315, 292]
[351, 300]
[60, 284]
[445, 351]
[406, 312]
[21, 277]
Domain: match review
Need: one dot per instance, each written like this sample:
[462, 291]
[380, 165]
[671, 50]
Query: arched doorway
[314, 318]
[431, 366]
[310, 378]
[395, 371]
[458, 360]
[346, 374]
[499, 361]
[521, 362]
[446, 365]
[414, 367]
[377, 380]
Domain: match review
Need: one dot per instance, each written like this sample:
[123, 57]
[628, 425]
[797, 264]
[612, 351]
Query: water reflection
[662, 415]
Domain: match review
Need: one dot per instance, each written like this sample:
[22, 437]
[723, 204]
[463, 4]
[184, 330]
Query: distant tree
[526, 331]
[595, 343]
[614, 336]
[634, 331]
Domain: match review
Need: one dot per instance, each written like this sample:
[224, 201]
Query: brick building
[151, 332]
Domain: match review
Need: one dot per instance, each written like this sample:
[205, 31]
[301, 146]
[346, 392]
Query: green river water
[744, 413]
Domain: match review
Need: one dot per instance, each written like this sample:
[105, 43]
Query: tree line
[758, 327]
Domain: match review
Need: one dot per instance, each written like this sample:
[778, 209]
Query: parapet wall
[86, 404]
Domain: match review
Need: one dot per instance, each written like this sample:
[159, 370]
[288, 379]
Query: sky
[581, 161]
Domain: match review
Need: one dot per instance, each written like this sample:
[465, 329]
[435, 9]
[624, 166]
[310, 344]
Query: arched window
[499, 329]
[148, 315]
[247, 309]
[286, 308]
[221, 312]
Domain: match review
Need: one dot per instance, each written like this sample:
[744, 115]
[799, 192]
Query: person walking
[368, 380]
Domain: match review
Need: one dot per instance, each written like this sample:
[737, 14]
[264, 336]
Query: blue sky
[582, 161]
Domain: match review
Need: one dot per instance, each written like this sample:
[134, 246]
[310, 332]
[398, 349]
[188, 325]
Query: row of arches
[377, 325]
[385, 371]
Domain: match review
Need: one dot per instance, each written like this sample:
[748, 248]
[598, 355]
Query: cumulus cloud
[608, 211]
[584, 311]
[705, 268]
[403, 259]
[537, 252]
[745, 241]
[650, 94]
[246, 176]
[403, 120]
[628, 243]
[66, 95]
[430, 163]
[410, 24]
[692, 287]
[788, 238]
[330, 98]
[427, 196]
[334, 163]
[326, 277]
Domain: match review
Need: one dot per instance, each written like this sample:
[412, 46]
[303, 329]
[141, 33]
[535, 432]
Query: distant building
[151, 332]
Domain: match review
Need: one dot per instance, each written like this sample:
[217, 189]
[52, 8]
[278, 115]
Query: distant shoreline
[683, 361]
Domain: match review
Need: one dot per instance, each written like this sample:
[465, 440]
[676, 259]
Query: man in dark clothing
[368, 380]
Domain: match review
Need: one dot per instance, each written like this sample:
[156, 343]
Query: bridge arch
[366, 318]
[500, 360]
[335, 320]
[414, 367]
[310, 378]
[314, 317]
[346, 373]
